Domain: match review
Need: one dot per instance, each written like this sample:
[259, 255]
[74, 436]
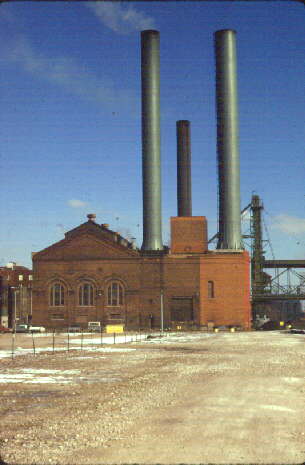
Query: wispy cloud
[69, 74]
[289, 224]
[121, 18]
[75, 203]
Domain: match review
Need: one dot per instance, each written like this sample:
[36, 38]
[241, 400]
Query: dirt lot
[199, 398]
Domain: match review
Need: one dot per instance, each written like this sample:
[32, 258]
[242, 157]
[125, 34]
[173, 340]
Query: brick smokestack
[184, 180]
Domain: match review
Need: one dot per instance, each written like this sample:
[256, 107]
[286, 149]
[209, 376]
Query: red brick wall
[230, 273]
[188, 234]
[143, 277]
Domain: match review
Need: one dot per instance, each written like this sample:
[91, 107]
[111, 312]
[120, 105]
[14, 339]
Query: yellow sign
[114, 328]
[282, 323]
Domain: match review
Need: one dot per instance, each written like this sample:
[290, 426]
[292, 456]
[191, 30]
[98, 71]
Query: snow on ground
[93, 344]
[21, 351]
[30, 378]
[46, 376]
[96, 343]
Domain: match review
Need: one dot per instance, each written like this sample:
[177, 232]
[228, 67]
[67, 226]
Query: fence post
[33, 343]
[13, 343]
[113, 338]
[68, 340]
[82, 340]
[53, 341]
[101, 335]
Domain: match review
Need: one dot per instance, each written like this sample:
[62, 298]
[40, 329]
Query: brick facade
[15, 294]
[92, 255]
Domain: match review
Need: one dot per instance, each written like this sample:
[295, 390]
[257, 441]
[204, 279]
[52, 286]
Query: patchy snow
[293, 380]
[169, 338]
[278, 408]
[113, 349]
[44, 376]
[118, 339]
[97, 344]
[47, 372]
[32, 378]
[20, 351]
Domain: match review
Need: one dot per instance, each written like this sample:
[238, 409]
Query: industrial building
[15, 294]
[94, 274]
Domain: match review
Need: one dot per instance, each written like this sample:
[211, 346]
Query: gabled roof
[88, 241]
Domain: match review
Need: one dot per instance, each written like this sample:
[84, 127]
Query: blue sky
[71, 115]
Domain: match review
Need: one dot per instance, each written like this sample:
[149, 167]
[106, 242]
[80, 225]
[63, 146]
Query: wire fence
[62, 340]
[65, 340]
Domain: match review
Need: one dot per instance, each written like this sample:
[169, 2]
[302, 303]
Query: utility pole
[161, 312]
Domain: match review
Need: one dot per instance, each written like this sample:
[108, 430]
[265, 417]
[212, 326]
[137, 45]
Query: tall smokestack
[227, 141]
[184, 180]
[150, 71]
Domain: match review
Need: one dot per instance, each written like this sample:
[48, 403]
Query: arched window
[115, 295]
[57, 295]
[85, 295]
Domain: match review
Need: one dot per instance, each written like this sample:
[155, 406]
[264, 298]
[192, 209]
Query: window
[211, 289]
[115, 294]
[57, 295]
[57, 316]
[85, 295]
[115, 316]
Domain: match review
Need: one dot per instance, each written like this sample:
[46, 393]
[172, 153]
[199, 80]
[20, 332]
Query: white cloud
[75, 203]
[69, 74]
[119, 18]
[289, 224]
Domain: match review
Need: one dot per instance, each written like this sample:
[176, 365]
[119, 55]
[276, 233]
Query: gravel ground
[202, 398]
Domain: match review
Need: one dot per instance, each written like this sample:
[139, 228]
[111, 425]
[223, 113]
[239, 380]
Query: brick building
[15, 294]
[94, 274]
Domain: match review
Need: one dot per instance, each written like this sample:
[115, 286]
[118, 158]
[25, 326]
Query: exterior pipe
[227, 141]
[184, 180]
[150, 73]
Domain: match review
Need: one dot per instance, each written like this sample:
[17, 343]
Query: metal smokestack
[184, 181]
[150, 73]
[227, 141]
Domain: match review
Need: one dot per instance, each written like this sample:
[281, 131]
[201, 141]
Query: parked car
[74, 329]
[24, 328]
[3, 329]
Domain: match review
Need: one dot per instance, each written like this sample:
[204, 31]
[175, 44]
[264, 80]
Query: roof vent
[105, 225]
[91, 217]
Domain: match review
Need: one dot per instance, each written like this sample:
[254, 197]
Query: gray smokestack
[227, 141]
[150, 71]
[184, 180]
